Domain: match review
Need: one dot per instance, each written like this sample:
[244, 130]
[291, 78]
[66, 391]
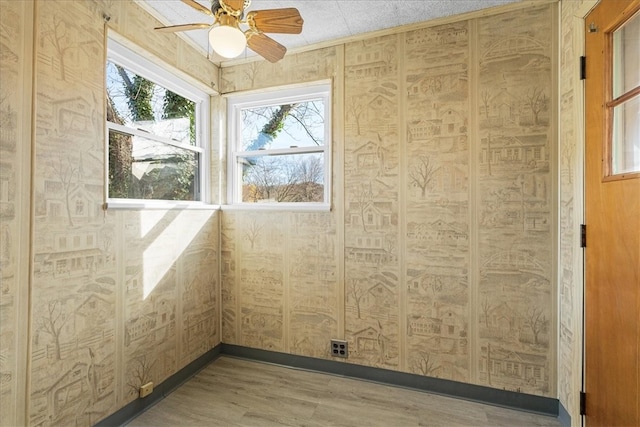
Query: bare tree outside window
[284, 179]
[280, 152]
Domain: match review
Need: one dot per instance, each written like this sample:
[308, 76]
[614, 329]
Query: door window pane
[624, 106]
[626, 57]
[625, 150]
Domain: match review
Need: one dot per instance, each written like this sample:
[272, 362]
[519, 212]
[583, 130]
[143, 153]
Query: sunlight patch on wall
[149, 219]
[170, 244]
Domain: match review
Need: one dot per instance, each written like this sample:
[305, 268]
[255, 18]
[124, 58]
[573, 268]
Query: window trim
[161, 74]
[277, 96]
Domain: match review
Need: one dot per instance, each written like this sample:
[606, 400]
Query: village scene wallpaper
[119, 298]
[446, 203]
[437, 257]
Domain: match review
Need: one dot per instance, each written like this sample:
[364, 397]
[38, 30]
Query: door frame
[577, 261]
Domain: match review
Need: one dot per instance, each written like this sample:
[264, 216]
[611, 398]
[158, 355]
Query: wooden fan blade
[182, 27]
[267, 47]
[197, 6]
[285, 21]
[236, 5]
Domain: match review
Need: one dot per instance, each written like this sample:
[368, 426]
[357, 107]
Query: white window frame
[271, 97]
[135, 62]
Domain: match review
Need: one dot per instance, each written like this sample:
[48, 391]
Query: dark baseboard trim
[563, 416]
[509, 399]
[521, 401]
[160, 391]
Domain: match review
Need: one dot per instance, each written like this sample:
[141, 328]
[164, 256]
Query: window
[157, 126]
[280, 148]
[623, 108]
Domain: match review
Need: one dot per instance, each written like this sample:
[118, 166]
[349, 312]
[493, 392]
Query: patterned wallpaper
[445, 221]
[436, 258]
[280, 280]
[119, 298]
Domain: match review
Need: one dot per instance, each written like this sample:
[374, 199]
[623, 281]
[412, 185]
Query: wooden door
[612, 216]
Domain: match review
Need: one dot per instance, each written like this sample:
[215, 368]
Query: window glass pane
[139, 103]
[283, 126]
[286, 178]
[626, 57]
[140, 168]
[625, 149]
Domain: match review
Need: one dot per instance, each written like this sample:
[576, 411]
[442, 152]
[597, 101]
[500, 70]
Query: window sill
[157, 204]
[293, 207]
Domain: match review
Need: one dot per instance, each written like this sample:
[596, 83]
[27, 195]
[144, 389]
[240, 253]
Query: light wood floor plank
[237, 392]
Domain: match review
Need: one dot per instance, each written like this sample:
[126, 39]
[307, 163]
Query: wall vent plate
[339, 348]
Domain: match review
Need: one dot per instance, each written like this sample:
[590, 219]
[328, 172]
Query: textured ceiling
[324, 20]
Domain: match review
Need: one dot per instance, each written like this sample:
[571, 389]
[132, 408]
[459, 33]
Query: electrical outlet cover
[146, 389]
[339, 348]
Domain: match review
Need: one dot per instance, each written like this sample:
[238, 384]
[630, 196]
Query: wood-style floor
[237, 392]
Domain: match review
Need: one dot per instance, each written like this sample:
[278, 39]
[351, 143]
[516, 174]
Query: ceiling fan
[229, 40]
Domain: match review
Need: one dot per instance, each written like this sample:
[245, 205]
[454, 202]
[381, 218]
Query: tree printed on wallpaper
[52, 322]
[251, 72]
[64, 39]
[355, 108]
[56, 33]
[425, 363]
[537, 321]
[139, 373]
[485, 98]
[536, 101]
[421, 173]
[66, 172]
[362, 198]
[252, 231]
[356, 290]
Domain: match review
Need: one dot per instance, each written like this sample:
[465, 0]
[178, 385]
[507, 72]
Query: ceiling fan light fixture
[227, 41]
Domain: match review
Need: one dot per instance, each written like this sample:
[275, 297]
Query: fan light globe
[227, 41]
